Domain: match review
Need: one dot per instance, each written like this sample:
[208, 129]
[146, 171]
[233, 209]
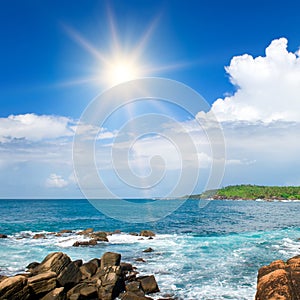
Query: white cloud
[268, 87]
[56, 181]
[34, 127]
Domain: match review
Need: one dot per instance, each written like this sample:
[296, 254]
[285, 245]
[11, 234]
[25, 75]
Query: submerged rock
[92, 242]
[147, 233]
[279, 280]
[148, 250]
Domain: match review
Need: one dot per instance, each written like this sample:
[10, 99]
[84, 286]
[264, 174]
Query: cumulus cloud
[268, 87]
[34, 127]
[56, 181]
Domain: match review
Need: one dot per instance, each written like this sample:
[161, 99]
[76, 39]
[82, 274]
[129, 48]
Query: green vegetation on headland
[252, 192]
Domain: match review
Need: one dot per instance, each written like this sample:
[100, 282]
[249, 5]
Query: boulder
[92, 242]
[147, 233]
[55, 262]
[14, 288]
[56, 294]
[148, 250]
[126, 266]
[89, 292]
[148, 284]
[39, 236]
[133, 233]
[110, 259]
[88, 270]
[100, 236]
[69, 276]
[96, 262]
[42, 283]
[32, 265]
[3, 236]
[78, 262]
[112, 283]
[135, 287]
[133, 296]
[279, 280]
[65, 231]
[86, 231]
[140, 259]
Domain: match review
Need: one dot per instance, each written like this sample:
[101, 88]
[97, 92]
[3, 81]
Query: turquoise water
[200, 253]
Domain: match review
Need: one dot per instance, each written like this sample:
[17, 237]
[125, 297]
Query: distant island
[252, 192]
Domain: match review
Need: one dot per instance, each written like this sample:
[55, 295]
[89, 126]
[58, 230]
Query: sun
[120, 71]
[119, 64]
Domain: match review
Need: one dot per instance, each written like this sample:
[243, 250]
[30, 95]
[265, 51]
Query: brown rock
[56, 294]
[110, 259]
[133, 296]
[133, 233]
[126, 266]
[112, 283]
[96, 262]
[78, 262]
[86, 231]
[39, 236]
[89, 292]
[88, 270]
[135, 287]
[56, 262]
[65, 231]
[148, 250]
[92, 242]
[3, 236]
[147, 233]
[42, 283]
[33, 265]
[14, 288]
[148, 284]
[100, 236]
[140, 259]
[69, 276]
[2, 277]
[279, 280]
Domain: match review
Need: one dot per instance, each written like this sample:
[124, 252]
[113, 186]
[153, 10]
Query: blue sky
[45, 81]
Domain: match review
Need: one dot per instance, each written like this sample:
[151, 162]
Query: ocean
[207, 253]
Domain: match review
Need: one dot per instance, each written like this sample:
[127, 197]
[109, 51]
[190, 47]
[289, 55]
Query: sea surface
[212, 252]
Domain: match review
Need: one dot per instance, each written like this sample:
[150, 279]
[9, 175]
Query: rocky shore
[279, 281]
[57, 277]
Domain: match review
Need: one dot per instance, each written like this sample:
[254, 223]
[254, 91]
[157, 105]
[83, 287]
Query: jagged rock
[135, 287]
[78, 262]
[2, 277]
[39, 236]
[126, 266]
[33, 265]
[86, 231]
[112, 283]
[70, 276]
[89, 292]
[14, 288]
[148, 284]
[147, 233]
[148, 250]
[76, 290]
[56, 294]
[279, 280]
[100, 236]
[65, 231]
[3, 236]
[110, 259]
[96, 262]
[133, 296]
[88, 270]
[56, 262]
[92, 242]
[42, 283]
